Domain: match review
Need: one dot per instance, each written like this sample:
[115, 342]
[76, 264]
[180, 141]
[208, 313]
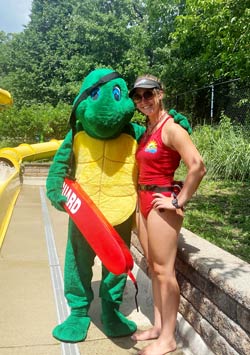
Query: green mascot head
[102, 107]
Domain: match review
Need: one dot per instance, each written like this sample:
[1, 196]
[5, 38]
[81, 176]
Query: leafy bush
[34, 123]
[139, 118]
[225, 149]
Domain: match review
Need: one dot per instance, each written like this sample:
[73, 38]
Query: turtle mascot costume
[98, 152]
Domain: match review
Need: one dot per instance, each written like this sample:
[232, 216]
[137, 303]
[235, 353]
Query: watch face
[175, 203]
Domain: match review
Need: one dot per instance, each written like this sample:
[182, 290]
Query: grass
[220, 213]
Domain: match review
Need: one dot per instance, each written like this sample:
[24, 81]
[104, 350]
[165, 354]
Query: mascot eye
[117, 93]
[95, 93]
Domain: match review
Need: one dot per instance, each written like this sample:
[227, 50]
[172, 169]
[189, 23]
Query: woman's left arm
[178, 139]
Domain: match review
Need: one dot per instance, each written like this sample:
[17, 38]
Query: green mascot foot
[115, 324]
[73, 329]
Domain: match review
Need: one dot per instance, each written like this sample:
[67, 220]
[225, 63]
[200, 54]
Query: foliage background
[188, 44]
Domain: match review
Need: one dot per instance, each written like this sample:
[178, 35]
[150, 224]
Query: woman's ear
[160, 94]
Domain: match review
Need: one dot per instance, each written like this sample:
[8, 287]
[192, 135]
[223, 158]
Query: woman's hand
[161, 202]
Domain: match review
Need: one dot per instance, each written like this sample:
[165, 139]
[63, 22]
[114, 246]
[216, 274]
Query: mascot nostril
[99, 152]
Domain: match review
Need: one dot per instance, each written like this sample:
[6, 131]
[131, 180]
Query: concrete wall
[36, 169]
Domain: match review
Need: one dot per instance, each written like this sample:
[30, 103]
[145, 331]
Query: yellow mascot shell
[107, 172]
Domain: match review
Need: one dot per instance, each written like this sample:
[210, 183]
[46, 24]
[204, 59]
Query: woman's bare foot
[159, 347]
[152, 333]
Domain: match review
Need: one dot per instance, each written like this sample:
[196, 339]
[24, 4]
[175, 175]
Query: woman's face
[147, 100]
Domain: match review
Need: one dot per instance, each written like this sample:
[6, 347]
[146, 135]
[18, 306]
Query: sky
[14, 14]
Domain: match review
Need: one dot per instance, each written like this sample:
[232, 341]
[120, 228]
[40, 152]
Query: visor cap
[144, 83]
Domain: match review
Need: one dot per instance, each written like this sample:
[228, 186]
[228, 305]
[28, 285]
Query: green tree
[210, 42]
[39, 54]
[187, 43]
[5, 59]
[64, 41]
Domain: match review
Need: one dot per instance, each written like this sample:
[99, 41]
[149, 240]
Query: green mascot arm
[135, 130]
[58, 171]
[181, 120]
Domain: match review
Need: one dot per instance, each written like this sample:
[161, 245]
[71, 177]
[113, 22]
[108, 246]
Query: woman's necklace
[150, 128]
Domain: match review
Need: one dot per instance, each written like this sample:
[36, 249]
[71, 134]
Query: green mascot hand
[57, 173]
[54, 192]
[181, 120]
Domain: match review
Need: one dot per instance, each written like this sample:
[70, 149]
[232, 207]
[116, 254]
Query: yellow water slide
[11, 160]
[5, 98]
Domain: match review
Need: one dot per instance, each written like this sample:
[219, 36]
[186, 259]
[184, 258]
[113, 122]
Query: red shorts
[145, 201]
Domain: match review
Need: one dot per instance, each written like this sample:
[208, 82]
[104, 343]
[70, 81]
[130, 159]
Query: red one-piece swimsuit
[157, 164]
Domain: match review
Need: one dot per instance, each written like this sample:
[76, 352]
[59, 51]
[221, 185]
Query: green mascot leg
[77, 287]
[115, 324]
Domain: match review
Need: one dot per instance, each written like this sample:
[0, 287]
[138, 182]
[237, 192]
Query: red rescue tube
[100, 234]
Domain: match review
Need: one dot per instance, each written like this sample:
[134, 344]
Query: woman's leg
[153, 332]
[163, 230]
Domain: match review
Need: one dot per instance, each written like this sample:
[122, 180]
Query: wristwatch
[176, 204]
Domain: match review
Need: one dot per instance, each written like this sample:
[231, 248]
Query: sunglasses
[147, 95]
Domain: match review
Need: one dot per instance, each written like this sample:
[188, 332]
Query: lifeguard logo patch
[151, 147]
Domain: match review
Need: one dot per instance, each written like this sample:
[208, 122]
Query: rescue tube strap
[136, 288]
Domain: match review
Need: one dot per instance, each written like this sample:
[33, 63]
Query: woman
[161, 205]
